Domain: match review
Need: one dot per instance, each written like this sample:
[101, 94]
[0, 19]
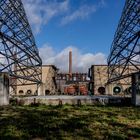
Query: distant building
[47, 87]
[72, 83]
[54, 83]
[98, 75]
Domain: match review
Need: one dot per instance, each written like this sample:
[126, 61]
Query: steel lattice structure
[124, 58]
[18, 52]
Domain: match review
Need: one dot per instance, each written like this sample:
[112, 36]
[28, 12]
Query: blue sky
[86, 26]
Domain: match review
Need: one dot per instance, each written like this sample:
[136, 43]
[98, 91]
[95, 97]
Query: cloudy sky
[85, 26]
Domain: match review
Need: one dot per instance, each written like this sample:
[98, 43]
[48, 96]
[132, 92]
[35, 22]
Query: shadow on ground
[69, 122]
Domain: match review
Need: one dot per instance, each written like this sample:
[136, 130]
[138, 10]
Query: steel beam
[125, 50]
[20, 56]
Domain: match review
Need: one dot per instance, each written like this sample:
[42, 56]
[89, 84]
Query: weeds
[66, 122]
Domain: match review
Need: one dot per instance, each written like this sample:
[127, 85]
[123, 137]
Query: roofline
[98, 65]
[103, 65]
[50, 66]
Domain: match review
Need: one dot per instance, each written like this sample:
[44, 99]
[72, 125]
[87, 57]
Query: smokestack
[70, 63]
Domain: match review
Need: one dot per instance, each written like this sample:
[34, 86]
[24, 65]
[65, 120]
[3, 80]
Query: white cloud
[40, 12]
[82, 12]
[81, 62]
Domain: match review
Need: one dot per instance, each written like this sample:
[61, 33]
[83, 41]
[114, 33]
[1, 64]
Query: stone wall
[48, 85]
[99, 78]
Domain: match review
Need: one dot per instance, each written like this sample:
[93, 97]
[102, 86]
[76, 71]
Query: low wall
[73, 100]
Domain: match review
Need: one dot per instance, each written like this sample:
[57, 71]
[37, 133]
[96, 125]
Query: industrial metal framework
[72, 77]
[19, 55]
[124, 58]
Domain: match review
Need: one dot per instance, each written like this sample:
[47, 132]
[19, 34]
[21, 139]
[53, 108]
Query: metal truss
[124, 58]
[19, 55]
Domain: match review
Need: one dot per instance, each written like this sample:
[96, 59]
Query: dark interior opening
[101, 90]
[47, 92]
[116, 90]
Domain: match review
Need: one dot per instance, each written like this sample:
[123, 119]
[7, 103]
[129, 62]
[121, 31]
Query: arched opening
[101, 90]
[21, 92]
[47, 92]
[117, 90]
[129, 90]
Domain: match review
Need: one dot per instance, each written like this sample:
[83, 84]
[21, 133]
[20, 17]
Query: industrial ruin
[72, 83]
[48, 84]
[23, 75]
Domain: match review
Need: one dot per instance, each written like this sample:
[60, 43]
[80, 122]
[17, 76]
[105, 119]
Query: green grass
[69, 122]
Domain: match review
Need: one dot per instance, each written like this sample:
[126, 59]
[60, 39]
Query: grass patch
[69, 122]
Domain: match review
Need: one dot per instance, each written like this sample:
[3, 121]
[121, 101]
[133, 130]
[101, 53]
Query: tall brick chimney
[70, 63]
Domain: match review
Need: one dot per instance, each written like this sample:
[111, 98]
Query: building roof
[53, 66]
[105, 65]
